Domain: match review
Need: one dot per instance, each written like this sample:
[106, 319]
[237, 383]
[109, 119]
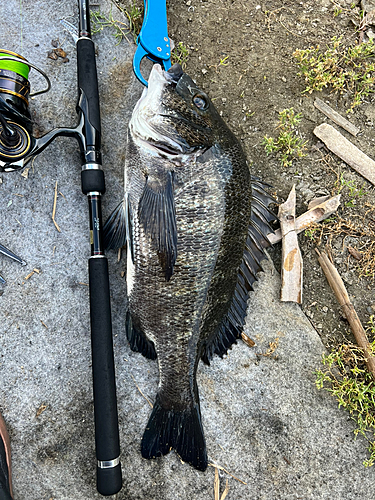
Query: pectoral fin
[158, 218]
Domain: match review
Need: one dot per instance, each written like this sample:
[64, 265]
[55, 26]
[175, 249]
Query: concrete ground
[265, 422]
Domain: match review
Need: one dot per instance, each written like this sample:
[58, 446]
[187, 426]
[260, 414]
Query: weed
[346, 377]
[353, 193]
[223, 62]
[288, 144]
[310, 233]
[343, 68]
[180, 54]
[100, 21]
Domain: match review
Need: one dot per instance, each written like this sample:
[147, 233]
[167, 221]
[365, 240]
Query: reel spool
[16, 139]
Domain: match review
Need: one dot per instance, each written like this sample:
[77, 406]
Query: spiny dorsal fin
[231, 326]
[158, 218]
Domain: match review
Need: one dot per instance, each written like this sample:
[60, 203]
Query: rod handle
[109, 481]
[104, 384]
[88, 84]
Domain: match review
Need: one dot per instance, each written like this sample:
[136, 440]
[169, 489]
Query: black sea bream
[194, 222]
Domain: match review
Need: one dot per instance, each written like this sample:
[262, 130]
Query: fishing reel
[17, 144]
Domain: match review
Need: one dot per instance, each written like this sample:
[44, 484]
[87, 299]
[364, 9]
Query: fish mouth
[174, 74]
[148, 114]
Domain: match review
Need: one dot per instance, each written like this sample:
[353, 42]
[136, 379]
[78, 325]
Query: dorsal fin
[232, 324]
[158, 218]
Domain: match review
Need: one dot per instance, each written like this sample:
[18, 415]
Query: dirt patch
[241, 54]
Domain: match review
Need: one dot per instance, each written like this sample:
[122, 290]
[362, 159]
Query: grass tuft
[288, 144]
[341, 68]
[346, 377]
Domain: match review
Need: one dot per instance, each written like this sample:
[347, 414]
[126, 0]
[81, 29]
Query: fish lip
[174, 74]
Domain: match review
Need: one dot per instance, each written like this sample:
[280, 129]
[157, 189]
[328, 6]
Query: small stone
[204, 71]
[325, 309]
[319, 326]
[283, 79]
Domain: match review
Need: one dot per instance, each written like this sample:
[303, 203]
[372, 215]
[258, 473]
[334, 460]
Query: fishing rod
[17, 147]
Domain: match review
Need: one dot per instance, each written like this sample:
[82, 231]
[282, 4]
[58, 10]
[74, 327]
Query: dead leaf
[355, 253]
[52, 55]
[226, 491]
[41, 409]
[60, 52]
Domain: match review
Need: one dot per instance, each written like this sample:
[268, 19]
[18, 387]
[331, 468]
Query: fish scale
[195, 224]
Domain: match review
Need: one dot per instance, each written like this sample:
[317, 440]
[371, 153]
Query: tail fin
[181, 430]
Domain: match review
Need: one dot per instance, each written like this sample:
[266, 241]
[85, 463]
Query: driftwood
[336, 117]
[347, 307]
[315, 214]
[345, 150]
[292, 266]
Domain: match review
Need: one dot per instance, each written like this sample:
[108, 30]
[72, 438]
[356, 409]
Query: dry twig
[336, 117]
[347, 307]
[146, 398]
[316, 214]
[54, 209]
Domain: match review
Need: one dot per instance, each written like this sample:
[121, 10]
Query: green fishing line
[15, 66]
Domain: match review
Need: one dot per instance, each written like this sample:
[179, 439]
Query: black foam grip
[92, 180]
[109, 481]
[103, 370]
[88, 80]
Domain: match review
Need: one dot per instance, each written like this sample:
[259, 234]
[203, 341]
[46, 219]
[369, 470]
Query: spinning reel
[17, 143]
[16, 140]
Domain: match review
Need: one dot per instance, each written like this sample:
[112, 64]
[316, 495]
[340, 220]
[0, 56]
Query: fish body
[194, 222]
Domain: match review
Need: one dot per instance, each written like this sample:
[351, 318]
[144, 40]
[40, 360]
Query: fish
[194, 222]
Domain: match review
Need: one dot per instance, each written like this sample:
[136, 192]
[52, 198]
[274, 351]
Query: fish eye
[200, 101]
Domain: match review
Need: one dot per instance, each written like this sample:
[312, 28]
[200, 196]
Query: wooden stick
[336, 117]
[292, 266]
[345, 150]
[316, 214]
[347, 307]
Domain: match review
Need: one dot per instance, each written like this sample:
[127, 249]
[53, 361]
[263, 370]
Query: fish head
[174, 117]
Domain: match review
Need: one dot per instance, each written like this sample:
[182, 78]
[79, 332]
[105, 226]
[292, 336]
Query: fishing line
[21, 25]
